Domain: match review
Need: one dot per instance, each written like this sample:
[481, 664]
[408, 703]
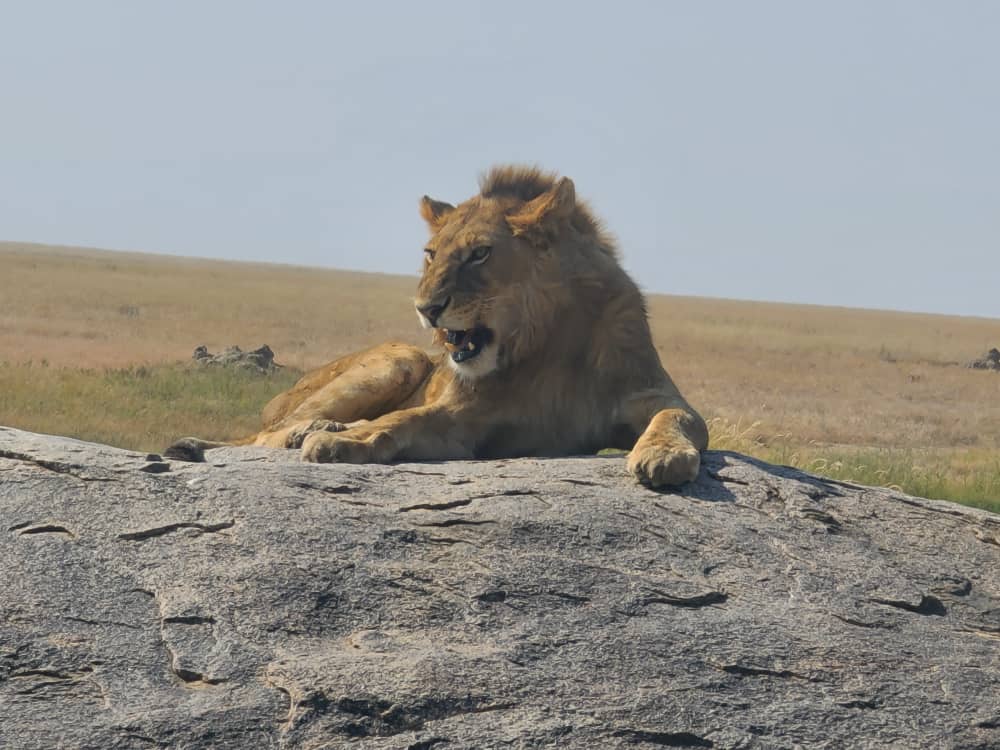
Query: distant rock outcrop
[259, 360]
[989, 361]
[259, 602]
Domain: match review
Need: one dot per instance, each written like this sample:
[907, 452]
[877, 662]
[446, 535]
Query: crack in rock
[45, 528]
[832, 525]
[923, 505]
[494, 596]
[575, 599]
[57, 467]
[987, 538]
[814, 492]
[53, 673]
[179, 637]
[192, 678]
[741, 671]
[454, 522]
[871, 705]
[339, 489]
[55, 684]
[982, 632]
[197, 679]
[491, 597]
[205, 528]
[726, 480]
[696, 601]
[427, 744]
[102, 623]
[383, 718]
[289, 714]
[189, 620]
[864, 623]
[929, 605]
[448, 504]
[664, 739]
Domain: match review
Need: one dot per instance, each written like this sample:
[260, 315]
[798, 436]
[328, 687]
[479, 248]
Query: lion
[544, 350]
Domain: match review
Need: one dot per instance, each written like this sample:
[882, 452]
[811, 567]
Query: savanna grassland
[96, 345]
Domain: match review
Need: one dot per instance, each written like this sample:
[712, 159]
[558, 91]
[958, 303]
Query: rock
[260, 361]
[259, 602]
[989, 361]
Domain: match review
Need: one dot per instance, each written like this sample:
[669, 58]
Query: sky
[841, 153]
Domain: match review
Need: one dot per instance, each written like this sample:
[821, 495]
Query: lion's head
[500, 267]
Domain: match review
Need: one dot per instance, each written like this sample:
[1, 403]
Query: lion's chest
[552, 419]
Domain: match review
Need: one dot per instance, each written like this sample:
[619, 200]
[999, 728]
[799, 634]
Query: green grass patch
[147, 408]
[139, 408]
[959, 476]
[966, 476]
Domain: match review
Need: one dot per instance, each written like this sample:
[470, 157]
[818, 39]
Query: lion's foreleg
[668, 451]
[418, 434]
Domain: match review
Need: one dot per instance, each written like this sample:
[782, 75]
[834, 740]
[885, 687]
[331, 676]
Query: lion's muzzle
[431, 311]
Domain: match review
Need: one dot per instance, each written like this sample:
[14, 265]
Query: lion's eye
[480, 254]
[428, 255]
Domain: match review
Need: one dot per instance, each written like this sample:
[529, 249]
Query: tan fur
[571, 368]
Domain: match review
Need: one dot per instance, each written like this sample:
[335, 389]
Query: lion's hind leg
[344, 394]
[340, 395]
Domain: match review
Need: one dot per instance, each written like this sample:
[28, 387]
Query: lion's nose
[433, 310]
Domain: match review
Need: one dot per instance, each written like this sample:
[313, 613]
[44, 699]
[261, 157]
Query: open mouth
[467, 344]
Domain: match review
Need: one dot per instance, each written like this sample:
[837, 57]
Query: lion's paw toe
[297, 436]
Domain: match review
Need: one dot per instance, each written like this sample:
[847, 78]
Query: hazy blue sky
[840, 152]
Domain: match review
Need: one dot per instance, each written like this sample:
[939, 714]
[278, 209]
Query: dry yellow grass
[834, 375]
[91, 308]
[804, 382]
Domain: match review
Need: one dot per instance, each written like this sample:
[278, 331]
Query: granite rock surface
[258, 602]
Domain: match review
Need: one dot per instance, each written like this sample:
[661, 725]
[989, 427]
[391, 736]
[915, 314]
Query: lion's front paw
[328, 448]
[657, 464]
[297, 435]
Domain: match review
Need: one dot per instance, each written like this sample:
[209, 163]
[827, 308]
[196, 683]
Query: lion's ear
[434, 212]
[545, 211]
